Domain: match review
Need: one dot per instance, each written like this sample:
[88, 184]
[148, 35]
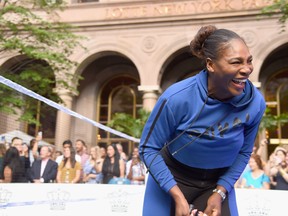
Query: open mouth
[239, 81]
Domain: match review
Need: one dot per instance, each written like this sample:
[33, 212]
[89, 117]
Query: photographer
[278, 169]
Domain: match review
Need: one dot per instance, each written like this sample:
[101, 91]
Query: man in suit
[45, 169]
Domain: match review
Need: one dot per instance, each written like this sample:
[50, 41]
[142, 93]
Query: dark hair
[15, 138]
[107, 163]
[13, 161]
[72, 157]
[32, 143]
[69, 142]
[210, 41]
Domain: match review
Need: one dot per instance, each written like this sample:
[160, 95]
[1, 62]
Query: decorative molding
[250, 38]
[149, 43]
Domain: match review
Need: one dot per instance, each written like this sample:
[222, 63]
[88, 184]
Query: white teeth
[239, 80]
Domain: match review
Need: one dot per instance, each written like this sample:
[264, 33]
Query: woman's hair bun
[197, 43]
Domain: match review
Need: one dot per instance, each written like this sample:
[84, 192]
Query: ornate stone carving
[149, 44]
[250, 38]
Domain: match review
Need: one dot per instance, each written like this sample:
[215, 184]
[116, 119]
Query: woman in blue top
[93, 167]
[200, 134]
[255, 177]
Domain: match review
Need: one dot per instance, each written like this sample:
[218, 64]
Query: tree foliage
[278, 7]
[271, 122]
[127, 124]
[41, 47]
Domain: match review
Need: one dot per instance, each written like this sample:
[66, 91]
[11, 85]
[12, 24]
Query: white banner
[113, 200]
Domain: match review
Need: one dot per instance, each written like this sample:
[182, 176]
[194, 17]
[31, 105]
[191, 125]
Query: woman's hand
[213, 206]
[181, 204]
[181, 207]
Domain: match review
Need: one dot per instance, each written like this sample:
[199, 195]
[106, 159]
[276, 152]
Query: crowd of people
[20, 162]
[75, 163]
[266, 174]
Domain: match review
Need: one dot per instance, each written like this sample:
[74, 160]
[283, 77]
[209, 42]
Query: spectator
[25, 153]
[18, 144]
[93, 167]
[69, 170]
[2, 154]
[67, 143]
[122, 154]
[278, 169]
[136, 173]
[255, 177]
[81, 147]
[45, 169]
[58, 153]
[34, 144]
[13, 168]
[103, 152]
[135, 152]
[113, 165]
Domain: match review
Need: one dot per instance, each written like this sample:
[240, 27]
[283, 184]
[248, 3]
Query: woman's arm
[7, 174]
[243, 183]
[98, 165]
[58, 178]
[158, 130]
[181, 204]
[129, 176]
[122, 168]
[77, 177]
[273, 171]
[250, 132]
[284, 174]
[266, 185]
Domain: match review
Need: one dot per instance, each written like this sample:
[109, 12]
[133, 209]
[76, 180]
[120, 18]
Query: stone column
[150, 96]
[63, 122]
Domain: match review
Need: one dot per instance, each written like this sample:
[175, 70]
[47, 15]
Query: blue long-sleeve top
[221, 134]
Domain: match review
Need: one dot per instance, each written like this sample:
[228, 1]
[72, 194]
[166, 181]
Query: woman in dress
[69, 170]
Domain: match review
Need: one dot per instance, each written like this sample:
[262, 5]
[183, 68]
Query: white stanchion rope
[32, 94]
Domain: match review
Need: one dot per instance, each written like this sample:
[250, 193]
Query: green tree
[125, 123]
[271, 122]
[41, 46]
[278, 7]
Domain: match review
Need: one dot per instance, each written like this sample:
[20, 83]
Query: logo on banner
[118, 201]
[258, 206]
[58, 199]
[5, 196]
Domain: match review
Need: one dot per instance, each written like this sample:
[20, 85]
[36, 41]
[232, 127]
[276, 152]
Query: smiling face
[67, 152]
[45, 153]
[110, 151]
[229, 72]
[253, 165]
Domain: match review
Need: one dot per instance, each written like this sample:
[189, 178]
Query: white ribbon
[32, 94]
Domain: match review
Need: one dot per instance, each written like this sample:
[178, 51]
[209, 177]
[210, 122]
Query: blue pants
[159, 203]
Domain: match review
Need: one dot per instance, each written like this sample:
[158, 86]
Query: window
[120, 94]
